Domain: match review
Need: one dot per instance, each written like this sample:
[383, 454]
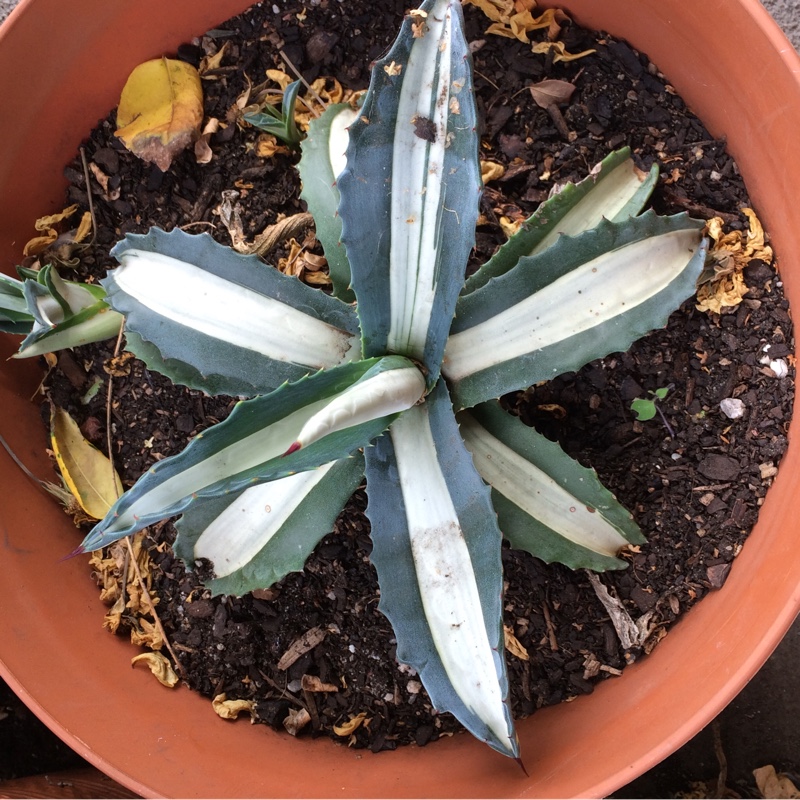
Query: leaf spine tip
[293, 448]
[78, 551]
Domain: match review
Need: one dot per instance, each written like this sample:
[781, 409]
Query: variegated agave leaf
[258, 536]
[546, 503]
[324, 158]
[300, 426]
[415, 135]
[581, 299]
[225, 323]
[614, 190]
[14, 314]
[436, 547]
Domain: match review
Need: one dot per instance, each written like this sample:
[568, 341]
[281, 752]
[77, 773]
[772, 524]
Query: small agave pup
[402, 384]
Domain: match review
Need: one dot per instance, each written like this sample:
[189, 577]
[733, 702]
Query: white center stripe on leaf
[584, 298]
[261, 446]
[246, 526]
[446, 579]
[417, 177]
[386, 393]
[190, 296]
[537, 493]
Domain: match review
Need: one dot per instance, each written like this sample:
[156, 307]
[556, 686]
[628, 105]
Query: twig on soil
[89, 199]
[551, 631]
[305, 83]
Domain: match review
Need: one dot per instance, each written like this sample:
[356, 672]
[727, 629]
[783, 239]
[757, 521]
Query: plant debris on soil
[693, 484]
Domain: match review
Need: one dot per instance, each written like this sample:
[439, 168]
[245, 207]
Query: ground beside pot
[782, 574]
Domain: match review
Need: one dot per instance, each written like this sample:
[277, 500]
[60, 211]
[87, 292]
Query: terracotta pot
[61, 67]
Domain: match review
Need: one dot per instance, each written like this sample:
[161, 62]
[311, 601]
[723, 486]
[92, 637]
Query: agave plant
[401, 385]
[53, 313]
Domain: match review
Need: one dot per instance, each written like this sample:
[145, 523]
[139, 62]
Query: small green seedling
[281, 123]
[645, 408]
[53, 313]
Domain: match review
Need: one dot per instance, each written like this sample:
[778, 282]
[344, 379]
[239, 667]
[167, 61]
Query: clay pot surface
[62, 66]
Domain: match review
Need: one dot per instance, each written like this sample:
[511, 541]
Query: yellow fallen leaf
[87, 473]
[84, 227]
[560, 51]
[160, 110]
[159, 666]
[45, 225]
[775, 785]
[491, 171]
[513, 645]
[148, 636]
[230, 709]
[722, 282]
[509, 226]
[346, 728]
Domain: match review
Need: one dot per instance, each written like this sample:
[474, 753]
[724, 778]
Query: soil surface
[694, 481]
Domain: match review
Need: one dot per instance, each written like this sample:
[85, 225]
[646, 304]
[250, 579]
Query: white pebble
[732, 407]
[779, 367]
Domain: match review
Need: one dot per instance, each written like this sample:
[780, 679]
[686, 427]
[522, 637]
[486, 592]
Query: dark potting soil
[694, 481]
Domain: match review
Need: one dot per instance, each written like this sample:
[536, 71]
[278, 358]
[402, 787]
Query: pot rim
[558, 768]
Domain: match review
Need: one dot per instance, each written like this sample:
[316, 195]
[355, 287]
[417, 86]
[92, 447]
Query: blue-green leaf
[409, 193]
[614, 190]
[546, 503]
[581, 299]
[258, 442]
[223, 322]
[256, 537]
[324, 157]
[436, 547]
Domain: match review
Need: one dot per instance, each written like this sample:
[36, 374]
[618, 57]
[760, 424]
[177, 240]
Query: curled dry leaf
[491, 171]
[775, 784]
[559, 51]
[355, 722]
[513, 19]
[723, 283]
[513, 645]
[88, 474]
[202, 149]
[296, 721]
[160, 110]
[230, 709]
[147, 635]
[551, 92]
[159, 666]
[47, 225]
[311, 683]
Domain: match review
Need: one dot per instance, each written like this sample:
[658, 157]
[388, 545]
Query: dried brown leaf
[296, 721]
[308, 641]
[311, 683]
[551, 92]
[775, 785]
